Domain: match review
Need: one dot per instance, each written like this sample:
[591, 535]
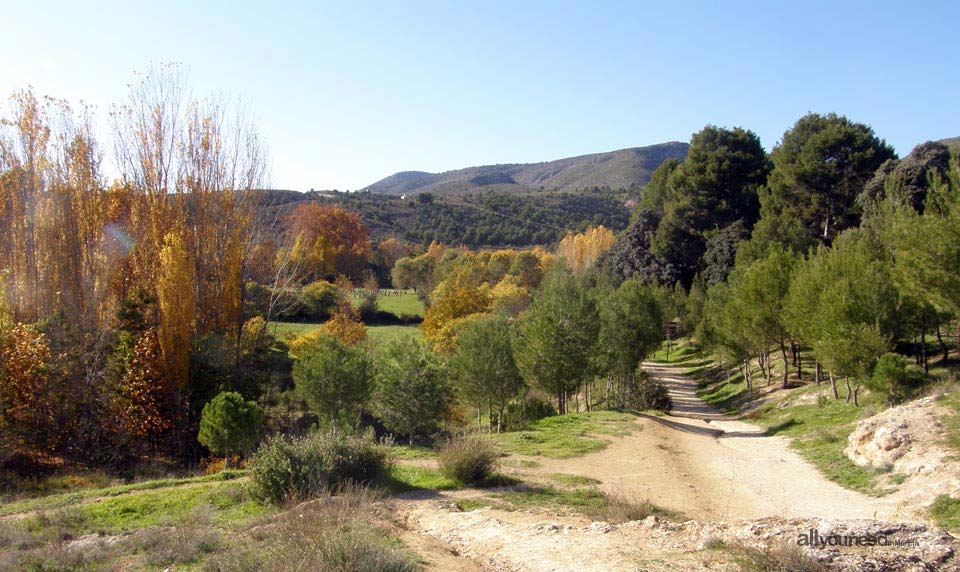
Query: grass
[406, 304]
[946, 512]
[590, 502]
[378, 335]
[381, 335]
[573, 480]
[405, 478]
[51, 502]
[228, 503]
[952, 422]
[412, 452]
[567, 436]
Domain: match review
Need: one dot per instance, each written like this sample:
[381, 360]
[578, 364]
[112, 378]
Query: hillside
[952, 142]
[492, 218]
[623, 169]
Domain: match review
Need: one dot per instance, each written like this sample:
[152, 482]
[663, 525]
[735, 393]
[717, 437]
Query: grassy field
[405, 304]
[377, 335]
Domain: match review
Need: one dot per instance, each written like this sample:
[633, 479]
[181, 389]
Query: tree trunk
[479, 419]
[833, 383]
[817, 373]
[923, 351]
[856, 391]
[786, 366]
[943, 346]
[489, 417]
[846, 381]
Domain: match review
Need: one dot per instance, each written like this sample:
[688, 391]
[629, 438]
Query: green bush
[520, 414]
[649, 393]
[319, 299]
[895, 377]
[468, 459]
[286, 469]
[229, 424]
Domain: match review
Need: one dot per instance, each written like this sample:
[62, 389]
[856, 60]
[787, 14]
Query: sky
[346, 93]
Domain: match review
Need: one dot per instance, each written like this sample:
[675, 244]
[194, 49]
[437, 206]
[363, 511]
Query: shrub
[229, 424]
[787, 557]
[319, 299]
[334, 533]
[468, 459]
[648, 393]
[287, 469]
[894, 377]
[520, 414]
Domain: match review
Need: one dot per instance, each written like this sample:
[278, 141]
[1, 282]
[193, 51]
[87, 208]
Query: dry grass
[336, 533]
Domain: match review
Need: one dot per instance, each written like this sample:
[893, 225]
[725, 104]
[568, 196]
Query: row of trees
[107, 285]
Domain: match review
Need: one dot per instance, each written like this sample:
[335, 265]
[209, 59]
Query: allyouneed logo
[814, 539]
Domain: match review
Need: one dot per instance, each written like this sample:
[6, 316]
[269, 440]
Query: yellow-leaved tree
[176, 299]
[580, 251]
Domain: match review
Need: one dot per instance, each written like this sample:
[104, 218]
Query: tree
[843, 302]
[819, 169]
[580, 251]
[557, 336]
[413, 394]
[756, 295]
[335, 379]
[912, 173]
[631, 328]
[330, 241]
[230, 425]
[486, 372]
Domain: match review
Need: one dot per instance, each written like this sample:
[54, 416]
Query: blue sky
[349, 92]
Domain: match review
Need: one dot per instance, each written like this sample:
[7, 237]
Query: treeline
[831, 243]
[483, 219]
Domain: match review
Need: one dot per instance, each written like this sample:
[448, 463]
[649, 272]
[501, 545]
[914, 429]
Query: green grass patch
[405, 478]
[406, 304]
[819, 434]
[681, 354]
[952, 422]
[382, 335]
[573, 480]
[412, 453]
[566, 436]
[67, 499]
[946, 512]
[229, 506]
[467, 505]
[589, 502]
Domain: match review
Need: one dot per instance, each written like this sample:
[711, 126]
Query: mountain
[953, 142]
[623, 169]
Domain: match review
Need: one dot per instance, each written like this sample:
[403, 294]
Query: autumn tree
[580, 251]
[330, 241]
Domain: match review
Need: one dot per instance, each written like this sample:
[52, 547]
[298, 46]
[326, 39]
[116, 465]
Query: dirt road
[731, 480]
[698, 462]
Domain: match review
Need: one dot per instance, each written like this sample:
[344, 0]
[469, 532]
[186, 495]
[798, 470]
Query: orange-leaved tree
[329, 241]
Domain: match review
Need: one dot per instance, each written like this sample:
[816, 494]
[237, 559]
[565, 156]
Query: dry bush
[335, 534]
[781, 558]
[624, 506]
[468, 459]
[181, 544]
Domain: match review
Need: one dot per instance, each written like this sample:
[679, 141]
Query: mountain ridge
[628, 168]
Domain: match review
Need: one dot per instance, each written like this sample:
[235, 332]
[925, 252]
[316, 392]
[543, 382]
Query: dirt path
[697, 462]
